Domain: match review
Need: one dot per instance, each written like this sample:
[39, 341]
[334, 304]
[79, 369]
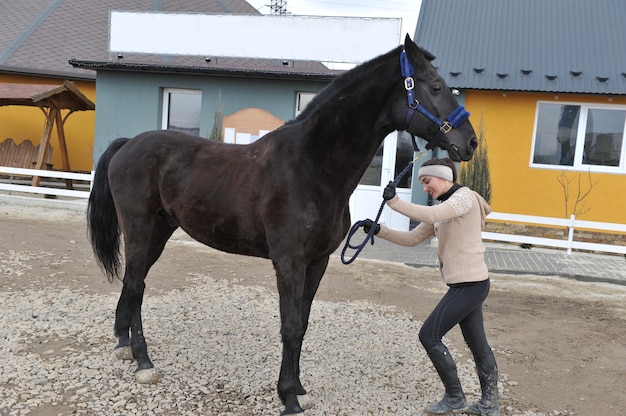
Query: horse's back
[161, 145]
[214, 191]
[157, 154]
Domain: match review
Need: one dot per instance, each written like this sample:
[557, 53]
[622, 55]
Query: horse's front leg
[291, 281]
[314, 273]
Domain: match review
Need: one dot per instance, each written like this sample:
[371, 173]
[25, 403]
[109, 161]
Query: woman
[457, 221]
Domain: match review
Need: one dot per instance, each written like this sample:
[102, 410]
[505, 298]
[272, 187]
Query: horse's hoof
[306, 401]
[292, 407]
[123, 353]
[293, 411]
[147, 376]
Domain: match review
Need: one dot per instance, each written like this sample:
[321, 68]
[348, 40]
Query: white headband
[438, 171]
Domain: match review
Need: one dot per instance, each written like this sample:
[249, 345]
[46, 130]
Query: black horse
[283, 197]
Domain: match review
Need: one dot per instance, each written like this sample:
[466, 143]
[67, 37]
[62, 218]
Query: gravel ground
[359, 358]
[215, 342]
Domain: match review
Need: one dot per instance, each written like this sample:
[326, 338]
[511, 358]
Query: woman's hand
[368, 224]
[390, 191]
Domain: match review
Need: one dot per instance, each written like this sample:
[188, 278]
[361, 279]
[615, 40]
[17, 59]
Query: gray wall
[131, 103]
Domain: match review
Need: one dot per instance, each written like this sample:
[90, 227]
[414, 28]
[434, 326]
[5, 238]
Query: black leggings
[463, 305]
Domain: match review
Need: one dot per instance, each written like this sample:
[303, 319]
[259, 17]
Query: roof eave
[512, 88]
[37, 72]
[195, 70]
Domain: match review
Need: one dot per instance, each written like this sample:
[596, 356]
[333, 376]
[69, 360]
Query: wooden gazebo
[51, 99]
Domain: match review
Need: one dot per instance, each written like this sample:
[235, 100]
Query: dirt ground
[560, 343]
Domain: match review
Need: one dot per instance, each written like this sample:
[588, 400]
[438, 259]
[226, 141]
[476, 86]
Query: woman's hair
[446, 161]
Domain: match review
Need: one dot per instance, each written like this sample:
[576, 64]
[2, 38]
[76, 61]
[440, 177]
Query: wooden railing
[569, 243]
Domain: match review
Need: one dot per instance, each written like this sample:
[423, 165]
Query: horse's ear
[414, 51]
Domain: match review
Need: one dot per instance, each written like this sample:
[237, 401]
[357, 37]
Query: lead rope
[359, 224]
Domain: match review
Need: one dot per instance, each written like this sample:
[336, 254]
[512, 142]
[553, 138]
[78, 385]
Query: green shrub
[475, 173]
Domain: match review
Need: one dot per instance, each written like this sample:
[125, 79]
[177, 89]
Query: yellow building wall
[508, 120]
[25, 122]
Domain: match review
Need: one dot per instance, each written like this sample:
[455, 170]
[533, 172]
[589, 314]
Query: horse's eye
[437, 88]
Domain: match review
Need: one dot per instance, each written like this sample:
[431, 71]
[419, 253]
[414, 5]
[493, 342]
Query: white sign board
[316, 38]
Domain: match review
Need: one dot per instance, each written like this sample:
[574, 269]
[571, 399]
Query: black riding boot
[453, 400]
[487, 370]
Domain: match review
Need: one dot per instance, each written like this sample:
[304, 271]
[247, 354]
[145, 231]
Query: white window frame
[166, 103]
[578, 164]
[302, 100]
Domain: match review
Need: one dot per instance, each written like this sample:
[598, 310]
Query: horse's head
[428, 107]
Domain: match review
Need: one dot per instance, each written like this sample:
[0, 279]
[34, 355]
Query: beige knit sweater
[457, 223]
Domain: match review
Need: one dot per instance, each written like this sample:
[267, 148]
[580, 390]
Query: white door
[392, 156]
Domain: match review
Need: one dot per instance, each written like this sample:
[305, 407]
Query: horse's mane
[427, 54]
[349, 77]
[342, 81]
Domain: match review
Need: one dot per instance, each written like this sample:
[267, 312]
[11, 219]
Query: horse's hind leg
[140, 256]
[129, 327]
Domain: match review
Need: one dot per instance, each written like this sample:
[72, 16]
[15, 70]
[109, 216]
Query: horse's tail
[102, 224]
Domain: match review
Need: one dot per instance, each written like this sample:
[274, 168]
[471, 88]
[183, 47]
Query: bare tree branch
[580, 204]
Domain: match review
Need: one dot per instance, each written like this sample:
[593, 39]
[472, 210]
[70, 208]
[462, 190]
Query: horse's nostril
[473, 143]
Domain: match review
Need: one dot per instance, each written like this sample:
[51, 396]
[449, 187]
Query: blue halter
[458, 116]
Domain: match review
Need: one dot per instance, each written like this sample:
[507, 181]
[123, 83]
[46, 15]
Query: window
[373, 174]
[404, 155]
[582, 136]
[181, 110]
[302, 100]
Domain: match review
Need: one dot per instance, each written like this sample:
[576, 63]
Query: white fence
[570, 224]
[14, 184]
[57, 188]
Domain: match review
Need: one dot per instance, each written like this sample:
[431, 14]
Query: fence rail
[46, 188]
[571, 224]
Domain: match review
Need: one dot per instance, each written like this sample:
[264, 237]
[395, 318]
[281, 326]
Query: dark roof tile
[539, 44]
[40, 37]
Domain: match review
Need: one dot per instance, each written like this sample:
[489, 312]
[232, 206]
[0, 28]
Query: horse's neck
[346, 128]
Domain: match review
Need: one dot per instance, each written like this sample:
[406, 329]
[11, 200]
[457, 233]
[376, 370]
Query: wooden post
[62, 145]
[53, 116]
[43, 145]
